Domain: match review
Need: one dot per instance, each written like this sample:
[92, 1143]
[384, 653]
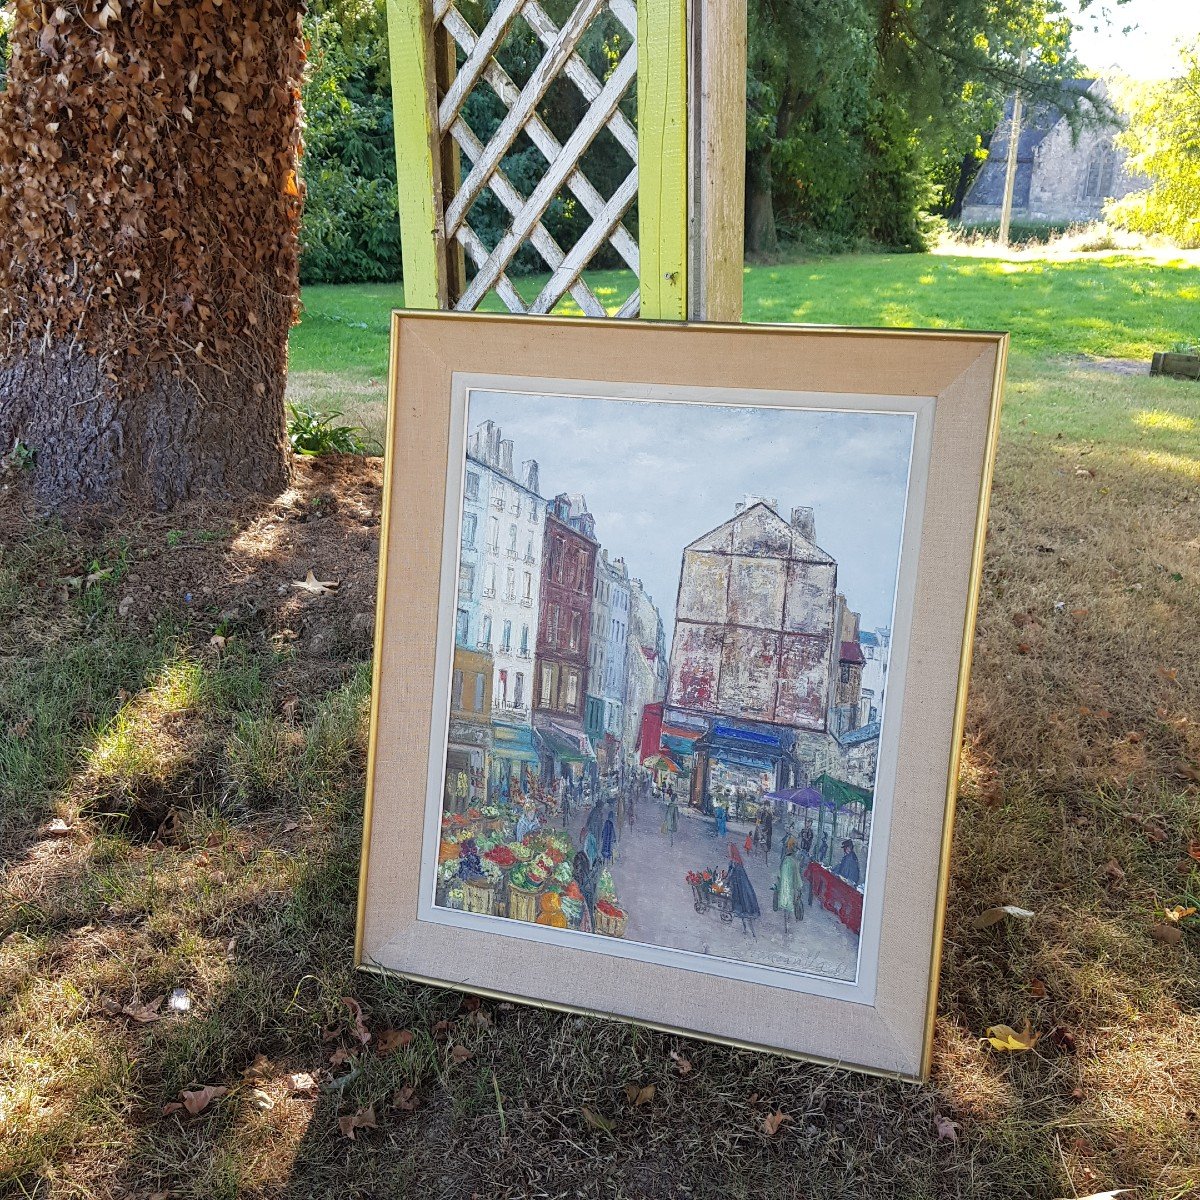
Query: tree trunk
[148, 160]
[761, 235]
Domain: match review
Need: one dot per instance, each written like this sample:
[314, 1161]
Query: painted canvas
[669, 679]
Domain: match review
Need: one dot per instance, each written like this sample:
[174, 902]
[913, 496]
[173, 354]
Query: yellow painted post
[663, 158]
[418, 155]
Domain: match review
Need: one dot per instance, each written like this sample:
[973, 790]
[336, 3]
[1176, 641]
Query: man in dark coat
[848, 868]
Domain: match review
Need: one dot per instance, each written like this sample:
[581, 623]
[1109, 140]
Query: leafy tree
[1163, 139]
[892, 95]
[148, 273]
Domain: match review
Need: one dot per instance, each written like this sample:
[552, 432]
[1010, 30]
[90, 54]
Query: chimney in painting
[505, 461]
[804, 523]
[529, 474]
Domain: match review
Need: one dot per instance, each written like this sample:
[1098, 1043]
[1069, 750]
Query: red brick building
[564, 624]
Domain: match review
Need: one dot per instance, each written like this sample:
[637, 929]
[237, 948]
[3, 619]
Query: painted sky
[658, 475]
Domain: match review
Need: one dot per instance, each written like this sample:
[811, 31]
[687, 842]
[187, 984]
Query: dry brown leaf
[196, 1100]
[1194, 849]
[1004, 1037]
[405, 1098]
[1037, 989]
[596, 1121]
[1112, 870]
[459, 1054]
[991, 916]
[772, 1122]
[144, 1014]
[363, 1118]
[683, 1064]
[1169, 935]
[261, 1068]
[637, 1096]
[360, 1025]
[391, 1040]
[339, 1056]
[946, 1129]
[318, 587]
[441, 1030]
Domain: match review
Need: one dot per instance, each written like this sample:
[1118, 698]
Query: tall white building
[509, 538]
[645, 664]
[876, 645]
[607, 655]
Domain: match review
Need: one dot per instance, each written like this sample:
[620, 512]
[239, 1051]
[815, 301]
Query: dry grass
[237, 882]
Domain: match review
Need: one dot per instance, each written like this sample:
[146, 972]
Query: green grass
[1116, 306]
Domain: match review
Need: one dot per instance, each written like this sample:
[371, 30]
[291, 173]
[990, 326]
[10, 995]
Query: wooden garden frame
[690, 78]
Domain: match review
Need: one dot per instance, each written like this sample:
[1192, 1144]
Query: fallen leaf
[260, 1099]
[1112, 869]
[772, 1121]
[1179, 913]
[302, 1081]
[1170, 935]
[637, 1096]
[196, 1100]
[364, 1118]
[318, 587]
[469, 1003]
[1185, 866]
[1062, 1037]
[339, 1056]
[144, 1013]
[58, 828]
[683, 1064]
[441, 1031]
[360, 1025]
[1189, 772]
[1194, 849]
[1024, 647]
[479, 1018]
[391, 1040]
[459, 1054]
[990, 916]
[1133, 737]
[259, 1069]
[1170, 674]
[405, 1098]
[947, 1129]
[217, 642]
[1037, 989]
[1085, 472]
[18, 729]
[1004, 1037]
[596, 1121]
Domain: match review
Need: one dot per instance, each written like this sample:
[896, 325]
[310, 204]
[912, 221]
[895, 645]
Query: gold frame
[998, 343]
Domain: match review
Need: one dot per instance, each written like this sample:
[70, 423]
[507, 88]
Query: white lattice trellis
[527, 212]
[449, 176]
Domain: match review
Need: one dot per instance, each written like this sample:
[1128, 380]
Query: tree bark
[148, 160]
[761, 234]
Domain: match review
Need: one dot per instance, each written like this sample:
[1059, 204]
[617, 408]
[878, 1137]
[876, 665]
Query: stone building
[1063, 175]
[645, 665]
[469, 744]
[500, 572]
[876, 647]
[569, 549]
[754, 626]
[604, 720]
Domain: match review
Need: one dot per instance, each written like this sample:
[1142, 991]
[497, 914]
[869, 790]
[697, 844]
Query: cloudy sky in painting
[658, 475]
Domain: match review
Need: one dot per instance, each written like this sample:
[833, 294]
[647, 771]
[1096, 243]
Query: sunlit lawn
[1059, 312]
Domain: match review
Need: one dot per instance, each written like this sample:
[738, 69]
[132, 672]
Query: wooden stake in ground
[148, 276]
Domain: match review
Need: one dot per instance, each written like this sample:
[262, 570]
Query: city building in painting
[564, 634]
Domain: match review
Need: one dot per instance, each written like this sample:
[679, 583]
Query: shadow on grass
[248, 904]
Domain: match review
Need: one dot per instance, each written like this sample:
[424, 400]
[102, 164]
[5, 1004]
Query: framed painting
[672, 646]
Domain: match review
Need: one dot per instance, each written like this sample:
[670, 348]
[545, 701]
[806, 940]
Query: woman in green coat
[788, 895]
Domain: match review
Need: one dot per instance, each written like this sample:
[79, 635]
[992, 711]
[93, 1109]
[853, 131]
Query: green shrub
[312, 433]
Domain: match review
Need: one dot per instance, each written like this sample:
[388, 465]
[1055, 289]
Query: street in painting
[671, 647]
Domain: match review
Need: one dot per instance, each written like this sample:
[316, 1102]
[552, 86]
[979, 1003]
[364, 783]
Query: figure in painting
[527, 822]
[608, 838]
[788, 896]
[848, 868]
[744, 901]
[671, 819]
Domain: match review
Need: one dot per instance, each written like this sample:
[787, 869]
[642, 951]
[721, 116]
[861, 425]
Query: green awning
[559, 746]
[839, 793]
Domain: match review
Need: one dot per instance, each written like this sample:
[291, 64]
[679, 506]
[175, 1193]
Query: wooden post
[1010, 167]
[717, 105]
[418, 154]
[663, 158]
